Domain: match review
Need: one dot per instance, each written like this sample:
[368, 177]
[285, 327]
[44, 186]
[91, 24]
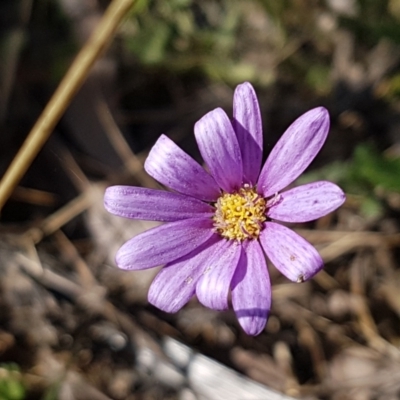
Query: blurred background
[72, 326]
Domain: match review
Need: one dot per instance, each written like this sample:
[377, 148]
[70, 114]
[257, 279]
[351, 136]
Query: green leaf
[376, 169]
[11, 386]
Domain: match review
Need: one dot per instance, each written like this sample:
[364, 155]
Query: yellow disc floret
[240, 216]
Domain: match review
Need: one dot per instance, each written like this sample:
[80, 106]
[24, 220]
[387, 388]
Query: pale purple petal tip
[307, 202]
[291, 254]
[220, 150]
[171, 166]
[212, 289]
[294, 152]
[164, 243]
[175, 284]
[153, 205]
[248, 127]
[251, 289]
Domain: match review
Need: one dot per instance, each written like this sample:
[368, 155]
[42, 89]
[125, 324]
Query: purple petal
[251, 289]
[153, 205]
[294, 151]
[292, 255]
[213, 287]
[164, 243]
[220, 149]
[175, 284]
[171, 166]
[307, 202]
[248, 127]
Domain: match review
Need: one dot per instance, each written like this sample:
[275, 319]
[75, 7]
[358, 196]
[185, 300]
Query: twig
[363, 239]
[71, 167]
[34, 196]
[71, 83]
[63, 215]
[340, 243]
[72, 256]
[117, 140]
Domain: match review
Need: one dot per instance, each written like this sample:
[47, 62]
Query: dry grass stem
[56, 220]
[131, 162]
[34, 196]
[68, 87]
[72, 256]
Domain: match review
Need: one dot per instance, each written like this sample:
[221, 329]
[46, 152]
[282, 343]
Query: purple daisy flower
[220, 225]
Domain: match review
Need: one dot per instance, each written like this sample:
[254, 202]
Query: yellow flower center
[240, 216]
